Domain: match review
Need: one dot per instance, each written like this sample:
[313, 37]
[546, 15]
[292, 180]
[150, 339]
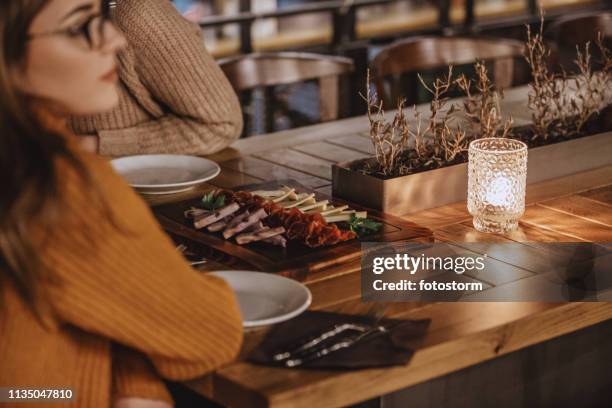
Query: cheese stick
[334, 210]
[288, 194]
[269, 193]
[318, 206]
[300, 200]
[346, 216]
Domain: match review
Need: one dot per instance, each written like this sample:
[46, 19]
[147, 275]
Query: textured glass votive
[497, 172]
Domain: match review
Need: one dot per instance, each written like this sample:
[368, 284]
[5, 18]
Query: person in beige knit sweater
[174, 98]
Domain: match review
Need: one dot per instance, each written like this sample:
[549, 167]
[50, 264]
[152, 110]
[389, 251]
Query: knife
[342, 344]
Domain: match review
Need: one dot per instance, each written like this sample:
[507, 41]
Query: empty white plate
[266, 298]
[165, 173]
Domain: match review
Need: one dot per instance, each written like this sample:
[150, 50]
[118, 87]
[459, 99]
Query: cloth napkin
[381, 350]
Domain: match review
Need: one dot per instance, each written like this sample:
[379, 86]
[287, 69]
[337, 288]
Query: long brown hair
[29, 151]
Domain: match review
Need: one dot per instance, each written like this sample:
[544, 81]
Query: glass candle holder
[497, 173]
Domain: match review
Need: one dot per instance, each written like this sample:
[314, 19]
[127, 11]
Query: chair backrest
[568, 32]
[427, 53]
[247, 72]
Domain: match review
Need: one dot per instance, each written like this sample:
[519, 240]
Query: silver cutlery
[318, 344]
[337, 329]
[345, 343]
[184, 251]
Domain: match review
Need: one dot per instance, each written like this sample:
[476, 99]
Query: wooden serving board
[296, 260]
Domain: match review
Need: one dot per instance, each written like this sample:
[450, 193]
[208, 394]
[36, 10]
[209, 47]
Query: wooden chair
[428, 53]
[264, 70]
[567, 32]
[564, 34]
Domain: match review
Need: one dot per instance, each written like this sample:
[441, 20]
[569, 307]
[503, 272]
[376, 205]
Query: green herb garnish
[210, 202]
[363, 226]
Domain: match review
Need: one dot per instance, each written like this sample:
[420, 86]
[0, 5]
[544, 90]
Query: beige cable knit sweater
[173, 96]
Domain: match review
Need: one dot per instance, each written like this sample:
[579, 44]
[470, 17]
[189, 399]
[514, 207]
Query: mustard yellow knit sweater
[128, 309]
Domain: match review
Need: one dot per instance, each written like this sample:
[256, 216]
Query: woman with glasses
[173, 98]
[95, 300]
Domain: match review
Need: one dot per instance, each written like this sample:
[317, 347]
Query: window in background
[498, 8]
[552, 4]
[373, 21]
[196, 10]
[268, 34]
[302, 30]
[487, 9]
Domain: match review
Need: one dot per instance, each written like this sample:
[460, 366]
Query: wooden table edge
[427, 363]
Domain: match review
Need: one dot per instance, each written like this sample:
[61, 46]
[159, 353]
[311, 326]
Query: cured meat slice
[214, 216]
[278, 240]
[250, 220]
[258, 236]
[238, 219]
[219, 225]
[193, 212]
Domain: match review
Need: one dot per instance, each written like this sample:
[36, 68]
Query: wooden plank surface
[463, 333]
[298, 161]
[329, 151]
[266, 170]
[572, 225]
[568, 209]
[455, 341]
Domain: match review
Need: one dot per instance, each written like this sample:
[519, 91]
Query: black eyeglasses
[91, 29]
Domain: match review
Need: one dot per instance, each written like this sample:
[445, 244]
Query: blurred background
[359, 30]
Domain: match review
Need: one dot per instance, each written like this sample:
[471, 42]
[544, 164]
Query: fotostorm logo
[413, 264]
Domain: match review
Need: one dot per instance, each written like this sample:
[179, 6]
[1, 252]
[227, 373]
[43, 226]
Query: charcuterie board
[296, 260]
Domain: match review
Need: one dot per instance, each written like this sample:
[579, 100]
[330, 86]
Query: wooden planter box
[430, 189]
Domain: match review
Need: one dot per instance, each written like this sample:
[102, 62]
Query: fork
[183, 249]
[347, 342]
[374, 314]
[336, 330]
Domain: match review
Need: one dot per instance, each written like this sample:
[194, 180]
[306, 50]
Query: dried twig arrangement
[482, 109]
[404, 146]
[592, 88]
[389, 139]
[546, 89]
[446, 143]
[561, 106]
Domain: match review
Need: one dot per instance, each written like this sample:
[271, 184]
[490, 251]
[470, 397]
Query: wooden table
[569, 209]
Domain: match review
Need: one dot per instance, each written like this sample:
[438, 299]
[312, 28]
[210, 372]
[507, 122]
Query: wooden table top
[568, 209]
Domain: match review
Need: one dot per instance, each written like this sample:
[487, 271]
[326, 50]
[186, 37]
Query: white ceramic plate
[266, 298]
[165, 173]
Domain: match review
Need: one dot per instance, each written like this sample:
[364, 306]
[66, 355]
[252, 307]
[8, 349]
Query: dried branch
[434, 144]
[388, 139]
[483, 110]
[561, 106]
[543, 89]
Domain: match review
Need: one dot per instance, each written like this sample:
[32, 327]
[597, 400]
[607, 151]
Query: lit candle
[497, 172]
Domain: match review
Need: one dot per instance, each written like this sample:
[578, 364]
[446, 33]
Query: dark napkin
[382, 350]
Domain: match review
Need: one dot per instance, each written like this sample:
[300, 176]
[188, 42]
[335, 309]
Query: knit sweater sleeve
[123, 279]
[135, 376]
[201, 113]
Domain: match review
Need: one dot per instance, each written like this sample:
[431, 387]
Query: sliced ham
[255, 227]
[214, 216]
[277, 240]
[193, 212]
[238, 219]
[253, 218]
[258, 236]
[219, 225]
